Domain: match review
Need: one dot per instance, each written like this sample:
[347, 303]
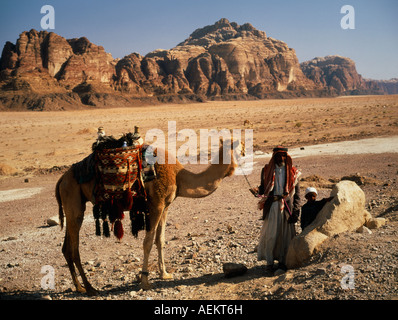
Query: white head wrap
[311, 189]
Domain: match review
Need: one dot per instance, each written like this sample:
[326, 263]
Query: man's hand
[294, 217]
[254, 191]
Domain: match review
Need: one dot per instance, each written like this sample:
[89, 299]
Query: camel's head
[230, 153]
[236, 147]
[241, 148]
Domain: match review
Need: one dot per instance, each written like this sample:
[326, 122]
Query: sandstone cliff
[339, 75]
[222, 61]
[382, 86]
[335, 72]
[44, 62]
[217, 60]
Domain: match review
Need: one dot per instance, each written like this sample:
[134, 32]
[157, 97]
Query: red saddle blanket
[119, 187]
[118, 173]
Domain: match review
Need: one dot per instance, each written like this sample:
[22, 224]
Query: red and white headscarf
[292, 175]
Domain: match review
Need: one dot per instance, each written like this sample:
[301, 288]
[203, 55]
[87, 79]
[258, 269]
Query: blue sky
[311, 27]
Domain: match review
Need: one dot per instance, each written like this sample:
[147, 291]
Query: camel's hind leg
[69, 195]
[70, 250]
[68, 254]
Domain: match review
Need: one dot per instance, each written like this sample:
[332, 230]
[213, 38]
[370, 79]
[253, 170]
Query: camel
[172, 181]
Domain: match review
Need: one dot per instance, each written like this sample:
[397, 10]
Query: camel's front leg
[148, 241]
[159, 240]
[157, 218]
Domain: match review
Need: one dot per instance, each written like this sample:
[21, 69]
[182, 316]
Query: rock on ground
[345, 212]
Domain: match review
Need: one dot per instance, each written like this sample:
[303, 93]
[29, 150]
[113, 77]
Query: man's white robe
[276, 232]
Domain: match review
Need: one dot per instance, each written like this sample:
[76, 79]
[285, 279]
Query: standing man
[280, 204]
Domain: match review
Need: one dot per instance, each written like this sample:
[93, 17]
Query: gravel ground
[202, 235]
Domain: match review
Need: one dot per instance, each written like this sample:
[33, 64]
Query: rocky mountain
[45, 62]
[45, 71]
[382, 86]
[335, 72]
[217, 60]
[221, 61]
[339, 75]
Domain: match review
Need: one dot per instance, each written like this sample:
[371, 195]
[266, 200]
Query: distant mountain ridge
[340, 74]
[44, 71]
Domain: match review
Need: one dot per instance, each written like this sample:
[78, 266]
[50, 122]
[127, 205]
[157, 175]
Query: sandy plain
[36, 147]
[47, 139]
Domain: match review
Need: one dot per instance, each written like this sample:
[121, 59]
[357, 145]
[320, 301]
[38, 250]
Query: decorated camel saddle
[120, 172]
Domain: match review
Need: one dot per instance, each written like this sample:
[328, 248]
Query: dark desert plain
[203, 234]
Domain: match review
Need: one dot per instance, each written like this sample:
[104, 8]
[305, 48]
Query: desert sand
[47, 139]
[202, 234]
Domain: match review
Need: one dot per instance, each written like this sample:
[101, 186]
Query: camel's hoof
[146, 286]
[80, 289]
[166, 276]
[92, 292]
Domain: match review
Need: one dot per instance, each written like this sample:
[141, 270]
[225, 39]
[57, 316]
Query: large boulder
[345, 212]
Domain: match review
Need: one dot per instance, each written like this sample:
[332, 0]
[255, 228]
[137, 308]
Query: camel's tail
[60, 210]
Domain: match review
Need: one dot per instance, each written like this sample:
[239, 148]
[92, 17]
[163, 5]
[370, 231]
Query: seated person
[310, 210]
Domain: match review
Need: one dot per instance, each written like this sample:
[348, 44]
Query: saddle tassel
[118, 226]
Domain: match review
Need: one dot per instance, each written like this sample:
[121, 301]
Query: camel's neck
[198, 185]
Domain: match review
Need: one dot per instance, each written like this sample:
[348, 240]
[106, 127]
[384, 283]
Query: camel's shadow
[207, 280]
[128, 287]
